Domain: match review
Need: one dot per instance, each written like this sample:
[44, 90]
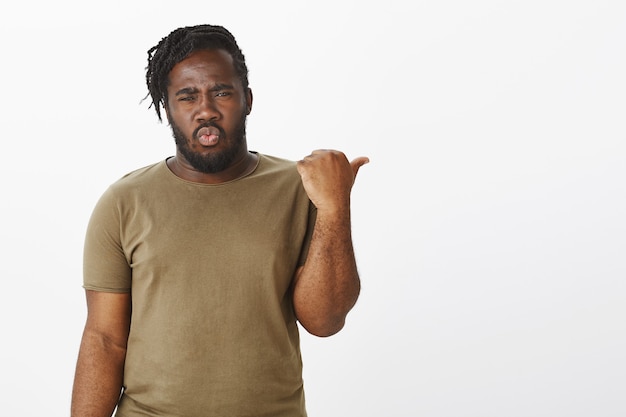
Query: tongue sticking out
[209, 136]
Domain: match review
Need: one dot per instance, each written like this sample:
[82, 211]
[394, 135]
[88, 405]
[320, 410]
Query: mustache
[209, 124]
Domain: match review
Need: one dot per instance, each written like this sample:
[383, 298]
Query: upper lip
[208, 130]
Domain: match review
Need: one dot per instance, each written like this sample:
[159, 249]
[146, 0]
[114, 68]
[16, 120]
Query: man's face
[207, 109]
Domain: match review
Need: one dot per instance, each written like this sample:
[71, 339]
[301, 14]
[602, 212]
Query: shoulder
[125, 189]
[269, 164]
[139, 179]
[279, 175]
[141, 175]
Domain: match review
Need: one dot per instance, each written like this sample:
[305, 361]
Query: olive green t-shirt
[209, 268]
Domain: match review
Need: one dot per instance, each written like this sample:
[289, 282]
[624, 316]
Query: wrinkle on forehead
[205, 67]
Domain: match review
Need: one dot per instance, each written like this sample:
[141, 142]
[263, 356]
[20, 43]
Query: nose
[207, 110]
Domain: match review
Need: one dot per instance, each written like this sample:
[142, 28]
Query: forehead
[203, 66]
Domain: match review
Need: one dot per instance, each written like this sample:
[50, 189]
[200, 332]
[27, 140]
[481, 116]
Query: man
[198, 267]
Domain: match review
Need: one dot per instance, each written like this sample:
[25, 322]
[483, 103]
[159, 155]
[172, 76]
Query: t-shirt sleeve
[105, 266]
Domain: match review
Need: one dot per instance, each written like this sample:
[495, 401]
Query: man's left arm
[327, 286]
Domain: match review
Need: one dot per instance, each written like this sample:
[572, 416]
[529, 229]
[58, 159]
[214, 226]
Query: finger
[358, 163]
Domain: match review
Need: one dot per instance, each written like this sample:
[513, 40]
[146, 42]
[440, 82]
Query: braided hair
[178, 45]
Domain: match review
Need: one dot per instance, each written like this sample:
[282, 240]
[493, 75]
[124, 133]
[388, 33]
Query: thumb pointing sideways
[357, 163]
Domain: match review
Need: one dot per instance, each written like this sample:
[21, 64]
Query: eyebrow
[187, 90]
[216, 87]
[222, 86]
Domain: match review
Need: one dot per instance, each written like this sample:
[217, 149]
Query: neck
[240, 168]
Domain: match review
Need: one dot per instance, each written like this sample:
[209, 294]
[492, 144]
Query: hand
[328, 178]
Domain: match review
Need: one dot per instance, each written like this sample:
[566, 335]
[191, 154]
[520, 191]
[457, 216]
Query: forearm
[99, 376]
[328, 285]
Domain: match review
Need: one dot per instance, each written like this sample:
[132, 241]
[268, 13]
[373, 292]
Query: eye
[186, 98]
[223, 94]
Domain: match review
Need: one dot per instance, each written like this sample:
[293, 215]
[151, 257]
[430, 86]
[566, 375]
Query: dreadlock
[178, 45]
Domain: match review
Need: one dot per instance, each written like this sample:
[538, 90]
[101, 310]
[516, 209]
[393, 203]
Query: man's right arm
[100, 366]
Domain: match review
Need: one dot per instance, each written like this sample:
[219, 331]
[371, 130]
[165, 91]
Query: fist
[328, 177]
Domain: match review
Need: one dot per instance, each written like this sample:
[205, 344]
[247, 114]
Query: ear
[249, 100]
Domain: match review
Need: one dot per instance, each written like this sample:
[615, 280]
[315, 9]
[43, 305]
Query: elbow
[324, 316]
[323, 328]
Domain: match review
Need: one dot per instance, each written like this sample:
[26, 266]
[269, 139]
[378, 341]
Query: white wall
[489, 226]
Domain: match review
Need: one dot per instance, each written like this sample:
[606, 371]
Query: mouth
[208, 136]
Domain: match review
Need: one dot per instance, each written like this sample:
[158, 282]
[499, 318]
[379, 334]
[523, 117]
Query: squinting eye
[222, 94]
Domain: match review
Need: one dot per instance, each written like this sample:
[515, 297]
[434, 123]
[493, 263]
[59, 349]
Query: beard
[216, 161]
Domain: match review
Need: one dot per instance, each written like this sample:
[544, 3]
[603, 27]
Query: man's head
[199, 76]
[178, 45]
